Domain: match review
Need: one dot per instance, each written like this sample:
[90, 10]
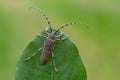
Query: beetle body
[49, 43]
[48, 46]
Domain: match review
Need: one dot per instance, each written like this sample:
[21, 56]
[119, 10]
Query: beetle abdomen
[44, 56]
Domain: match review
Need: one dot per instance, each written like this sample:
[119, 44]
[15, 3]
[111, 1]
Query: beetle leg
[33, 55]
[59, 36]
[64, 38]
[53, 61]
[46, 31]
[61, 39]
[39, 35]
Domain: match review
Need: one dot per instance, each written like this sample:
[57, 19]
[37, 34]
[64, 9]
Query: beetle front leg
[39, 35]
[62, 39]
[46, 31]
[59, 37]
[33, 55]
[53, 61]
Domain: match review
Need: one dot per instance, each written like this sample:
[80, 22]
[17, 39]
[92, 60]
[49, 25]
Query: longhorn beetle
[49, 42]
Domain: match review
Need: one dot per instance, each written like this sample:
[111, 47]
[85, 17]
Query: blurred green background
[99, 44]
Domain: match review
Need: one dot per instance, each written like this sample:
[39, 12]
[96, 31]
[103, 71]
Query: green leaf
[67, 58]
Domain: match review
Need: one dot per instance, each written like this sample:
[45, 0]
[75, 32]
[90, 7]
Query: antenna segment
[43, 14]
[68, 24]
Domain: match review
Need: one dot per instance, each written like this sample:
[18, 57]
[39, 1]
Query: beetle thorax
[51, 36]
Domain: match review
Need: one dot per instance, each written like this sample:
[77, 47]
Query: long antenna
[68, 24]
[43, 14]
